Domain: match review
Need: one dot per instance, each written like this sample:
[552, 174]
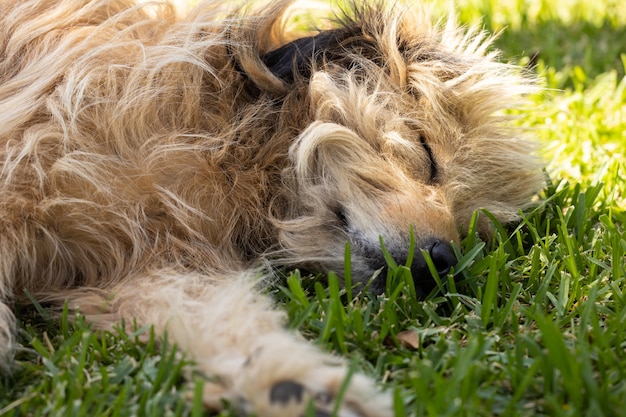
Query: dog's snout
[443, 258]
[442, 255]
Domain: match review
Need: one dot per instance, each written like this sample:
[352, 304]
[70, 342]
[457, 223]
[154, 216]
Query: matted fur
[152, 162]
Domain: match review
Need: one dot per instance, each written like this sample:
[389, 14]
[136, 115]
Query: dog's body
[150, 163]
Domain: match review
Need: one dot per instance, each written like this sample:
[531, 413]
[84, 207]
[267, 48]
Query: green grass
[536, 324]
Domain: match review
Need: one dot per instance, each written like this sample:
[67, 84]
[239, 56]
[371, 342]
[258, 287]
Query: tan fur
[150, 164]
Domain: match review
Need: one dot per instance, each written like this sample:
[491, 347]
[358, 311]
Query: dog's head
[403, 128]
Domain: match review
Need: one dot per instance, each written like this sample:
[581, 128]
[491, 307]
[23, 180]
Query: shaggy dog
[151, 164]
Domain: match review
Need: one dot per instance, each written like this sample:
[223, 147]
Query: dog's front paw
[315, 396]
[301, 382]
[294, 398]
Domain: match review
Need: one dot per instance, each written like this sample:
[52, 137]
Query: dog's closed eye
[429, 167]
[431, 159]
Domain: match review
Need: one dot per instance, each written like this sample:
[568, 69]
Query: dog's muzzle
[443, 258]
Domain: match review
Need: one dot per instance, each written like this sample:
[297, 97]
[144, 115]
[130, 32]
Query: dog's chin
[374, 281]
[368, 275]
[423, 286]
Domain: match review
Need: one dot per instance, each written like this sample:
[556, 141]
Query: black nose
[443, 257]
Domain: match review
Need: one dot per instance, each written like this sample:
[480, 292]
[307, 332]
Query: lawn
[536, 324]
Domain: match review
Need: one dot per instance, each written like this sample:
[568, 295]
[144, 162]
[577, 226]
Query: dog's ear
[298, 58]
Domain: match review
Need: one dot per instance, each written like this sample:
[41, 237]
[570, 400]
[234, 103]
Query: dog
[155, 163]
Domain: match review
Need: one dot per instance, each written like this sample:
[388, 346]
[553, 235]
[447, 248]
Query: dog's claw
[285, 391]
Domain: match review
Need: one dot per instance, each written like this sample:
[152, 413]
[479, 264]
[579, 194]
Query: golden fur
[150, 164]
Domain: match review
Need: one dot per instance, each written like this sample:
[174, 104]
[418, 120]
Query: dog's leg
[238, 340]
